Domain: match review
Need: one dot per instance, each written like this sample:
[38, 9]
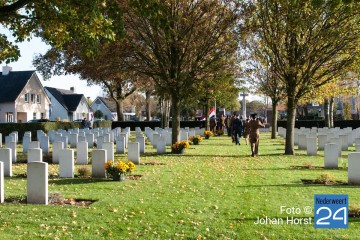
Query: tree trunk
[206, 110]
[327, 112]
[331, 111]
[175, 107]
[147, 105]
[167, 113]
[274, 119]
[120, 110]
[290, 125]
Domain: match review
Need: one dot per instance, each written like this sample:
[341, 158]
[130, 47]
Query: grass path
[214, 191]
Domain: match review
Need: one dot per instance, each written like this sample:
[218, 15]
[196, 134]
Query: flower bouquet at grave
[219, 132]
[179, 147]
[118, 170]
[208, 134]
[195, 139]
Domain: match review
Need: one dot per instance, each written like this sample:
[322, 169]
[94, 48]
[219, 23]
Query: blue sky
[29, 49]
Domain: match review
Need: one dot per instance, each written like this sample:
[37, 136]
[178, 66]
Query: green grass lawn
[214, 191]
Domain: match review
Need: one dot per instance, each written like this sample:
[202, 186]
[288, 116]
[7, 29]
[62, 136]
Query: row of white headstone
[37, 174]
[38, 171]
[160, 138]
[332, 141]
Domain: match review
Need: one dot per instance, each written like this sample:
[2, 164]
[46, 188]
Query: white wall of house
[82, 110]
[36, 106]
[58, 112]
[99, 105]
[6, 108]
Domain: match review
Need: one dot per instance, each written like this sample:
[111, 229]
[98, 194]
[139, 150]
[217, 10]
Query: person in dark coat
[83, 123]
[237, 129]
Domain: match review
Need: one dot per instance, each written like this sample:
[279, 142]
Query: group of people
[249, 129]
[86, 123]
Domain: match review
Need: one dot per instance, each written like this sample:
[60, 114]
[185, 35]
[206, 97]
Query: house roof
[69, 100]
[110, 104]
[12, 84]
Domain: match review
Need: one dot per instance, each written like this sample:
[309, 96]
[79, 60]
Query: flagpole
[215, 108]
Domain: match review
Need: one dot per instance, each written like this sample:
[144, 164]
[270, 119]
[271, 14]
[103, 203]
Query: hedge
[21, 128]
[153, 125]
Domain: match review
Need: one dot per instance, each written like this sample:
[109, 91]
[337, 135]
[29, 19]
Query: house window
[32, 98]
[38, 98]
[9, 117]
[26, 97]
[34, 115]
[42, 115]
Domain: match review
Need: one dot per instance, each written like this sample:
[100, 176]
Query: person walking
[227, 124]
[254, 135]
[213, 124]
[237, 129]
[247, 130]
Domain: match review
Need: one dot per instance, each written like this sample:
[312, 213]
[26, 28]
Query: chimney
[6, 70]
[72, 89]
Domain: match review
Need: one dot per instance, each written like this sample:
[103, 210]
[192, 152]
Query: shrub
[83, 172]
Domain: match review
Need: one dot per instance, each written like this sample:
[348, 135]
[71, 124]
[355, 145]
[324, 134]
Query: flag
[210, 113]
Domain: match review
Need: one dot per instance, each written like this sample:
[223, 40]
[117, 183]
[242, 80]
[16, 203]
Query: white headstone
[5, 157]
[12, 146]
[73, 140]
[51, 134]
[90, 140]
[357, 147]
[35, 155]
[82, 153]
[0, 140]
[98, 163]
[311, 146]
[26, 142]
[126, 138]
[322, 141]
[120, 144]
[184, 135]
[354, 168]
[141, 141]
[9, 139]
[106, 137]
[134, 152]
[109, 147]
[161, 146]
[344, 141]
[34, 144]
[302, 141]
[99, 142]
[337, 141]
[39, 134]
[64, 139]
[155, 139]
[82, 139]
[37, 183]
[296, 138]
[56, 147]
[2, 192]
[331, 155]
[66, 163]
[44, 144]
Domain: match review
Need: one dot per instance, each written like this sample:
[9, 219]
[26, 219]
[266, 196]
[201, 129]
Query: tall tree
[178, 43]
[58, 22]
[113, 75]
[308, 43]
